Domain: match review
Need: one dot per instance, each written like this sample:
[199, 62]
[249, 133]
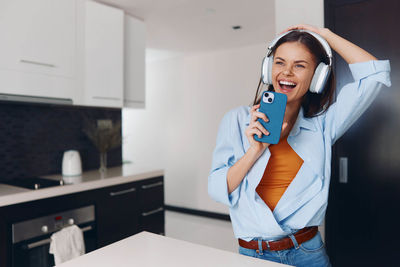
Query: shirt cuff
[234, 196]
[379, 68]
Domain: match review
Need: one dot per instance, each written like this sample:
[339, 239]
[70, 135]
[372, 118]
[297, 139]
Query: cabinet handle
[144, 214]
[133, 101]
[38, 63]
[343, 170]
[48, 240]
[133, 189]
[147, 186]
[106, 98]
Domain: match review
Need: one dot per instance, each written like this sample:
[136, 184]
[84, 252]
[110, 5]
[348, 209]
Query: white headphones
[321, 73]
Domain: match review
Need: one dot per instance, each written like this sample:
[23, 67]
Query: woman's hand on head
[311, 28]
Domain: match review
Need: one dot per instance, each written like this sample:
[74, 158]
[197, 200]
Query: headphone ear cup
[319, 79]
[266, 70]
[270, 61]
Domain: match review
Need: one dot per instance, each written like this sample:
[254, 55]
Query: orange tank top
[281, 169]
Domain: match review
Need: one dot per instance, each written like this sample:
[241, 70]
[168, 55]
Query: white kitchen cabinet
[134, 63]
[103, 54]
[37, 47]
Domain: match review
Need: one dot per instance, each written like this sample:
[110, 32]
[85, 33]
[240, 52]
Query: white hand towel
[67, 244]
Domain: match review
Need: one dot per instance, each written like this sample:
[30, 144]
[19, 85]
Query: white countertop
[10, 195]
[147, 249]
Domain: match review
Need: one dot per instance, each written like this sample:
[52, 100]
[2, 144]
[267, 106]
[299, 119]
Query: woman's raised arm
[350, 52]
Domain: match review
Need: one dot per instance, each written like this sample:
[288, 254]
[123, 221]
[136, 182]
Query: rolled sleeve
[355, 97]
[223, 159]
[379, 69]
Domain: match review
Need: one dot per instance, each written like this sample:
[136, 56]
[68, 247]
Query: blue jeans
[309, 254]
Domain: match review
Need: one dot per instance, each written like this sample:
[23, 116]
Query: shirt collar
[302, 122]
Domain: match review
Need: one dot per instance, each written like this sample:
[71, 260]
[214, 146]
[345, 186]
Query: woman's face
[292, 70]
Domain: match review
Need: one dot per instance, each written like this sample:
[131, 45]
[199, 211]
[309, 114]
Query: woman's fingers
[255, 114]
[259, 126]
[260, 115]
[256, 128]
[254, 131]
[302, 27]
[254, 108]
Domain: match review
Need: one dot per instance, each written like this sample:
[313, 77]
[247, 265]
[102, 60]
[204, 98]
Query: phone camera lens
[266, 94]
[269, 100]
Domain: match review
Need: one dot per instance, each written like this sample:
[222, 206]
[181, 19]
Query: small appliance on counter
[71, 167]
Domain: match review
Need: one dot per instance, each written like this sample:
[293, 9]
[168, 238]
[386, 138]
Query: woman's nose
[287, 71]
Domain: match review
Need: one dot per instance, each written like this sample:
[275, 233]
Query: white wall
[291, 12]
[186, 98]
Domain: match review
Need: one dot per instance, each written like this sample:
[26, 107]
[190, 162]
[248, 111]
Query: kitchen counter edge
[31, 195]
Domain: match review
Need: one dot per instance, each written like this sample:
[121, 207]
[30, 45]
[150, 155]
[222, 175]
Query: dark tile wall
[33, 138]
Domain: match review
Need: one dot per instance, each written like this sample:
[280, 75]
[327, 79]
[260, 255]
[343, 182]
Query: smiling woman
[277, 194]
[295, 58]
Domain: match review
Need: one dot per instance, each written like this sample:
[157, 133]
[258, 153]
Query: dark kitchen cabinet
[117, 213]
[127, 209]
[151, 208]
[120, 211]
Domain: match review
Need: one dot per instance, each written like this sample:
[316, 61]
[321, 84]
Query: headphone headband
[322, 41]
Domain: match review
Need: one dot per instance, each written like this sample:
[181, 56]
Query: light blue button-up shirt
[305, 200]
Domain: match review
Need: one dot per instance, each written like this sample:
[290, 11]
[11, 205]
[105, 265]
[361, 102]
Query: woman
[277, 194]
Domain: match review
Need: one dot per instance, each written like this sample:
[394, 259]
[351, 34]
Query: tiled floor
[201, 230]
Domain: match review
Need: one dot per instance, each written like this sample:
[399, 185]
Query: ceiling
[186, 26]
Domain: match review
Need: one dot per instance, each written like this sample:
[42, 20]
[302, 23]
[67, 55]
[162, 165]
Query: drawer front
[151, 198]
[118, 213]
[153, 220]
[151, 194]
[124, 191]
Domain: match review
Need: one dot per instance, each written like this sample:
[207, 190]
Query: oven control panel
[26, 230]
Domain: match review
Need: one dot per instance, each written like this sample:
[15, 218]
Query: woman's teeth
[287, 85]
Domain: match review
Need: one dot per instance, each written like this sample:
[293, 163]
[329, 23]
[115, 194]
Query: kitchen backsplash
[33, 138]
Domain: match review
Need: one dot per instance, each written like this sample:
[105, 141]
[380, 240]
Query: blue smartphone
[273, 105]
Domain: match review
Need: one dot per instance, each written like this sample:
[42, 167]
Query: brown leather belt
[301, 236]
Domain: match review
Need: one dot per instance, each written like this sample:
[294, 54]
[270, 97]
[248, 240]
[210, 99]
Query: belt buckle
[268, 246]
[268, 243]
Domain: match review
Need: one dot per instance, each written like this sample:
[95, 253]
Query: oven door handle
[48, 240]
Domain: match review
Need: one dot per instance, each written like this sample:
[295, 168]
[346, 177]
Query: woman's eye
[278, 62]
[299, 66]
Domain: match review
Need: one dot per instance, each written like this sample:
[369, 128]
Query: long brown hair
[313, 104]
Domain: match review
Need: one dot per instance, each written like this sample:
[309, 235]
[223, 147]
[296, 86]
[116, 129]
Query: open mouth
[286, 86]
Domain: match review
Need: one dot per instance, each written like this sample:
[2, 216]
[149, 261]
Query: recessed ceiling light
[237, 27]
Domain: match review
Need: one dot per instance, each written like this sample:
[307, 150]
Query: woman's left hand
[317, 30]
[350, 52]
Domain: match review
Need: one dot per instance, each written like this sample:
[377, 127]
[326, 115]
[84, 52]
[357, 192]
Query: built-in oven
[31, 239]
